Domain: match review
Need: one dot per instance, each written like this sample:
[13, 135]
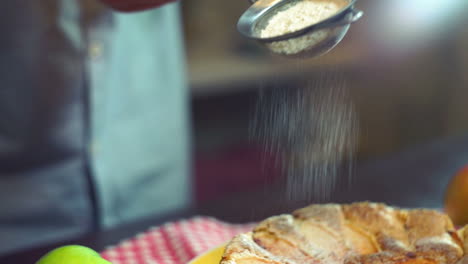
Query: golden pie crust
[358, 233]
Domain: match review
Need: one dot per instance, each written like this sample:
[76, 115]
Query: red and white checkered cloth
[174, 243]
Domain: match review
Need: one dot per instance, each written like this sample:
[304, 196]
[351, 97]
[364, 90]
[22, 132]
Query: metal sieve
[311, 41]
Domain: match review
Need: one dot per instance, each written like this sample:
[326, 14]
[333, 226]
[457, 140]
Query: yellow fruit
[456, 198]
[72, 254]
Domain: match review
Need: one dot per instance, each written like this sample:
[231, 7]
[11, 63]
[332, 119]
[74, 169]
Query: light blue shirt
[92, 103]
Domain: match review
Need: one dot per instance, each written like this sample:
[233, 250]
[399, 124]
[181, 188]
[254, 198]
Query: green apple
[72, 254]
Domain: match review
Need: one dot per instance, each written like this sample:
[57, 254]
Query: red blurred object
[134, 5]
[233, 169]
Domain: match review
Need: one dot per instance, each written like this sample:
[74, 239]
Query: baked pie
[358, 233]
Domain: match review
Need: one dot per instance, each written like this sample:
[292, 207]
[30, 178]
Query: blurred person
[93, 117]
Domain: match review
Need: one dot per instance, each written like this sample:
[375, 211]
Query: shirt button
[95, 50]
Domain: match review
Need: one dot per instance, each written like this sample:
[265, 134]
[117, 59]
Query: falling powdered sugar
[312, 129]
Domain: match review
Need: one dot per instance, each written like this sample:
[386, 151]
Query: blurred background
[405, 68]
[405, 64]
